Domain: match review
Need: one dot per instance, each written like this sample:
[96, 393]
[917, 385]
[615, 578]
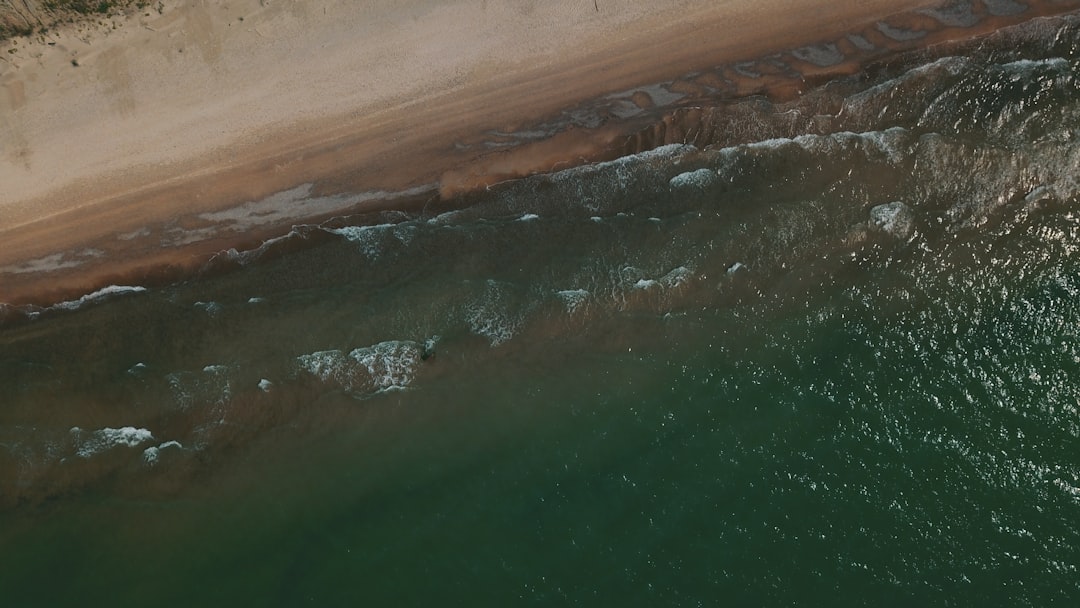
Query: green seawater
[738, 376]
[907, 435]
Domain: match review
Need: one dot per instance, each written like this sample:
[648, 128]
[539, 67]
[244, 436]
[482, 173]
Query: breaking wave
[758, 201]
[365, 371]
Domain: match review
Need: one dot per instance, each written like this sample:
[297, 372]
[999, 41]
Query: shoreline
[859, 204]
[162, 222]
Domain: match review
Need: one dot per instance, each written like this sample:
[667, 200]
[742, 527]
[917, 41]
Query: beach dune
[121, 138]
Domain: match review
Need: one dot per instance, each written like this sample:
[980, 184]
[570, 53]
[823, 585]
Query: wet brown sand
[667, 85]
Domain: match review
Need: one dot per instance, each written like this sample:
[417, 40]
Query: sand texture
[145, 143]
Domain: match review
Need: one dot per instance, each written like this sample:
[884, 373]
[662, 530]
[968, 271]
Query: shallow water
[832, 366]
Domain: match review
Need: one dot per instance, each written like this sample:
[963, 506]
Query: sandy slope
[209, 103]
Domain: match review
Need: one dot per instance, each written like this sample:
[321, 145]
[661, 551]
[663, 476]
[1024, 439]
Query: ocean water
[832, 363]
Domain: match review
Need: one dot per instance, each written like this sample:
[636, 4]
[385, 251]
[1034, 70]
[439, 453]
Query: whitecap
[390, 364]
[699, 179]
[890, 142]
[367, 237]
[90, 444]
[646, 284]
[1059, 64]
[667, 151]
[247, 256]
[676, 277]
[893, 143]
[152, 454]
[386, 365]
[573, 299]
[893, 218]
[324, 364]
[97, 296]
[775, 143]
[495, 325]
[492, 315]
[429, 347]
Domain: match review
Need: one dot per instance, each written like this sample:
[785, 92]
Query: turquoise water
[734, 376]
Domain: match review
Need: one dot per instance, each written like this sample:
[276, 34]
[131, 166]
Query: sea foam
[495, 315]
[699, 179]
[152, 454]
[210, 387]
[88, 444]
[383, 366]
[573, 299]
[97, 296]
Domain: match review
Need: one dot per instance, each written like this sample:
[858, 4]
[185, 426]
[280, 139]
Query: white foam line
[104, 292]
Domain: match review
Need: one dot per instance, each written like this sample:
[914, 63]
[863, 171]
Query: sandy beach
[145, 143]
